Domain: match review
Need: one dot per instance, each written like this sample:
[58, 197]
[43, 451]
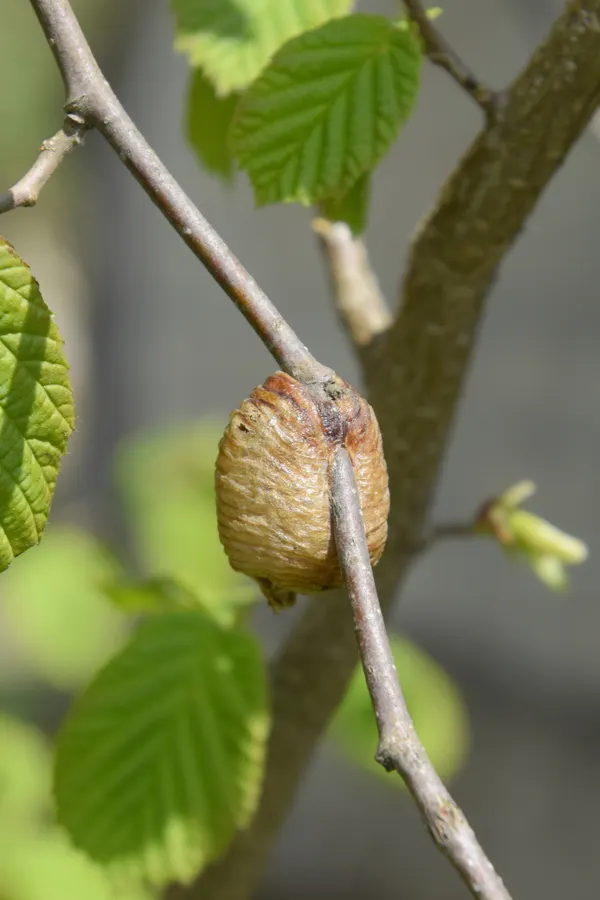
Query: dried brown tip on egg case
[272, 485]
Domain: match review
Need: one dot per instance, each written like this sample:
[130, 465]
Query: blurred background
[154, 344]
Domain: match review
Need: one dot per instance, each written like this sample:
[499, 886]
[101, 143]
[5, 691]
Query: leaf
[46, 867]
[55, 606]
[352, 208]
[208, 121]
[161, 759]
[167, 483]
[232, 40]
[163, 594]
[326, 109]
[36, 407]
[435, 705]
[150, 596]
[24, 776]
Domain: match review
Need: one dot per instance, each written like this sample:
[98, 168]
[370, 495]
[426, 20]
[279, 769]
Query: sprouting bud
[272, 485]
[547, 549]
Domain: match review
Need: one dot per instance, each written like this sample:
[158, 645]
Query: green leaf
[46, 867]
[150, 596]
[232, 40]
[433, 700]
[208, 121]
[24, 776]
[167, 483]
[326, 109]
[159, 595]
[36, 407]
[352, 208]
[161, 759]
[55, 607]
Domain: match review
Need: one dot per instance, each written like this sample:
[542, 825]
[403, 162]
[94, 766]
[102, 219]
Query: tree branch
[89, 96]
[415, 381]
[441, 54]
[399, 747]
[27, 190]
[360, 304]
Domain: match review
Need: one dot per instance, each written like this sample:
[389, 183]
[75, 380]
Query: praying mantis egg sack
[272, 485]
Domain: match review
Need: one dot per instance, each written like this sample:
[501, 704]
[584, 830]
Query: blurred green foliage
[37, 861]
[53, 602]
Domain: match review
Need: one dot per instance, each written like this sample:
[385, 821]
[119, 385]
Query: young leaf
[433, 701]
[167, 483]
[36, 407]
[208, 121]
[56, 609]
[231, 40]
[352, 208]
[326, 109]
[161, 759]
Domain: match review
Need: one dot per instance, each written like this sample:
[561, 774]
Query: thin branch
[90, 96]
[445, 531]
[399, 747]
[441, 54]
[361, 306]
[27, 190]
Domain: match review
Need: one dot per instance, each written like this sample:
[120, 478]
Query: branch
[441, 54]
[361, 306]
[27, 190]
[414, 386]
[91, 98]
[399, 747]
[446, 531]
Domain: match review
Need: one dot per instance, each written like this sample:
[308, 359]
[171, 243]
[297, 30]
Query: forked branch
[90, 97]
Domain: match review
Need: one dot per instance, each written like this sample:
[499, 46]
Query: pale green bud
[547, 549]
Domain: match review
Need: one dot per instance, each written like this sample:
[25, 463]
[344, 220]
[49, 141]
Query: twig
[443, 532]
[361, 306]
[441, 54]
[89, 96]
[27, 190]
[399, 747]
